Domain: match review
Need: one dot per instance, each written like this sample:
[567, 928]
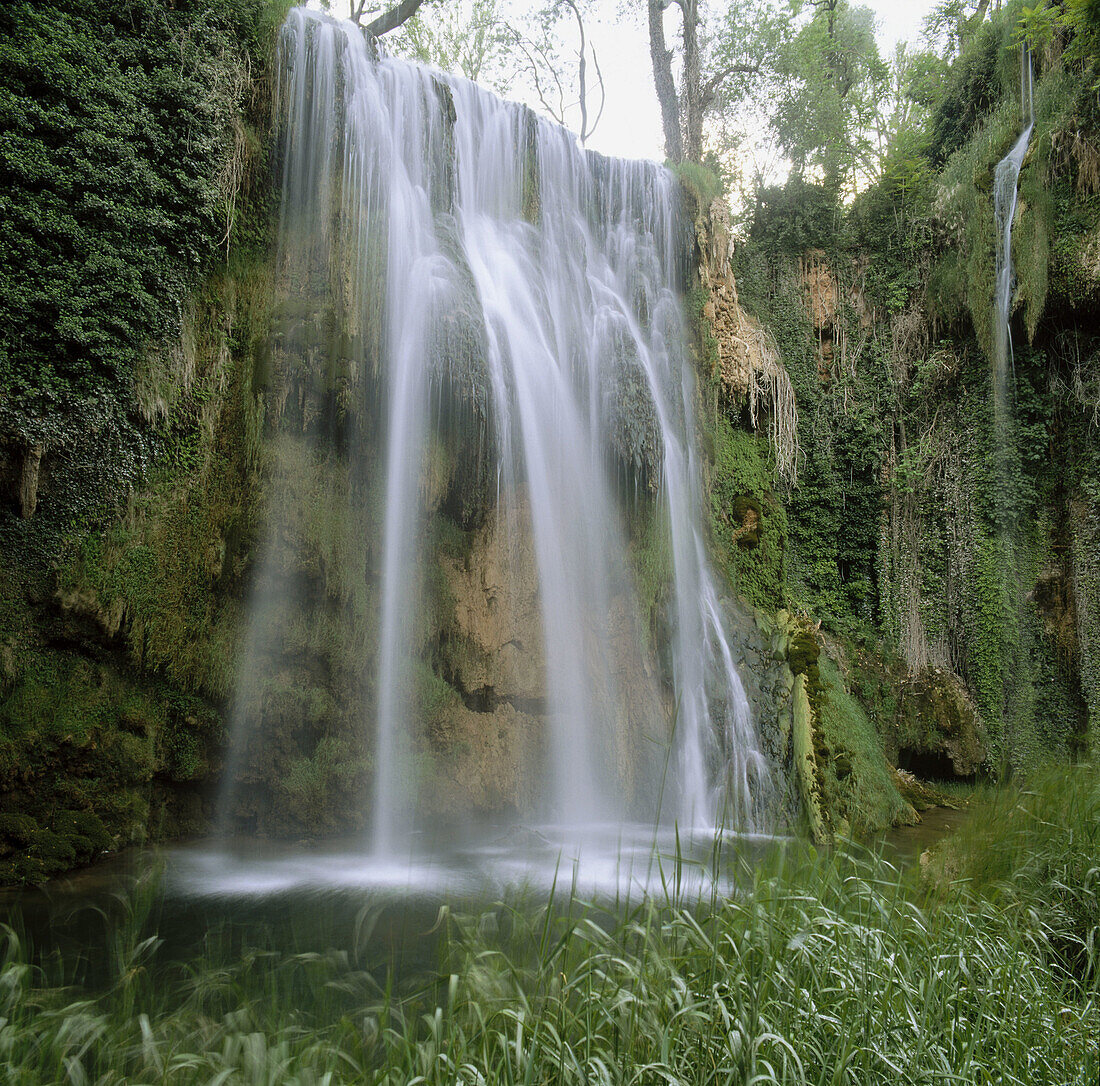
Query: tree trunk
[691, 91]
[661, 57]
[392, 18]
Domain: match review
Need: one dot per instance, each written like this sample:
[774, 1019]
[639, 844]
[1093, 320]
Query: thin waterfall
[415, 201]
[1005, 194]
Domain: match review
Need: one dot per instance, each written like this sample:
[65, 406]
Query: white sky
[631, 124]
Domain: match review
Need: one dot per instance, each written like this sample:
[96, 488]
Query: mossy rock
[85, 830]
[859, 785]
[807, 770]
[938, 727]
[748, 511]
[803, 654]
[17, 831]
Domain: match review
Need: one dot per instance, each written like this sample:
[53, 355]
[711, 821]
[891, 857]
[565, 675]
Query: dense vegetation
[136, 230]
[123, 161]
[922, 584]
[833, 968]
[927, 540]
[926, 581]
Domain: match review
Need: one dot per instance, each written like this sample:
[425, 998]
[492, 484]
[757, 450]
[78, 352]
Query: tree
[468, 37]
[389, 19]
[833, 81]
[952, 23]
[473, 38]
[561, 82]
[710, 64]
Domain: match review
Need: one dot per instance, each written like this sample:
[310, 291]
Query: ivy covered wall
[922, 541]
[136, 229]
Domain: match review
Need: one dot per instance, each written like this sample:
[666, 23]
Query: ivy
[119, 137]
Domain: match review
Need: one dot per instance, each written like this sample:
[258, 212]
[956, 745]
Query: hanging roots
[770, 384]
[751, 366]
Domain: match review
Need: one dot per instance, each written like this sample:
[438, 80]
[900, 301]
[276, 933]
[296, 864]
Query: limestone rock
[28, 483]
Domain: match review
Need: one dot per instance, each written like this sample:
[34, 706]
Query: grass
[1034, 850]
[825, 968]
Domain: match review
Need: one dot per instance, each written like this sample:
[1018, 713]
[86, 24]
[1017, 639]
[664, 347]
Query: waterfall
[1005, 180]
[468, 250]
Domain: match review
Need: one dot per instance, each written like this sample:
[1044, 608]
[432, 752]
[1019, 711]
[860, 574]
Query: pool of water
[217, 900]
[905, 844]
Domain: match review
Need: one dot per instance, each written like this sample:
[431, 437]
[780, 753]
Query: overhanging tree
[387, 19]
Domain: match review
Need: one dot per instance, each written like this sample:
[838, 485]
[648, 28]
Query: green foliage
[747, 518]
[174, 565]
[1074, 281]
[834, 80]
[1036, 26]
[139, 222]
[704, 184]
[432, 694]
[795, 217]
[471, 39]
[972, 91]
[117, 123]
[86, 754]
[1041, 861]
[901, 454]
[1082, 19]
[834, 516]
[318, 790]
[130, 164]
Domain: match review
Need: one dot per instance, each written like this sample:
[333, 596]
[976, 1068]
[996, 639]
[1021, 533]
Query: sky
[631, 123]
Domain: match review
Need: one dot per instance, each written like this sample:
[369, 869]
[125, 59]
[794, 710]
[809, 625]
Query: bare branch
[538, 61]
[603, 92]
[390, 19]
[581, 70]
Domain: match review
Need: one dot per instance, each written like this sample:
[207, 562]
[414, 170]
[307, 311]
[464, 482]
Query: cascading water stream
[419, 201]
[1006, 178]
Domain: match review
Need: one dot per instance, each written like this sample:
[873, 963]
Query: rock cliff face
[939, 549]
[489, 649]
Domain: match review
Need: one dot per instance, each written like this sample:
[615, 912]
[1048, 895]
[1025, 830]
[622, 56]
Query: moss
[934, 717]
[85, 830]
[452, 540]
[651, 562]
[839, 756]
[17, 831]
[706, 345]
[319, 790]
[857, 784]
[807, 770]
[31, 851]
[803, 654]
[701, 183]
[752, 548]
